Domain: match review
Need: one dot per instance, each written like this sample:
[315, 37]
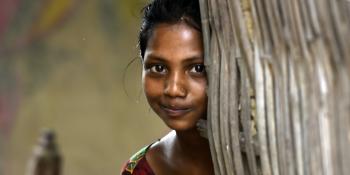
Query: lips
[175, 111]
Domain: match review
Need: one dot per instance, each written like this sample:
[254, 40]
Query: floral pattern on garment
[138, 165]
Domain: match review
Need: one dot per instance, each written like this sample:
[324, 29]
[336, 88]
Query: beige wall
[72, 81]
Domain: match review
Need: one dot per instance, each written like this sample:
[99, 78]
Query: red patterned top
[138, 165]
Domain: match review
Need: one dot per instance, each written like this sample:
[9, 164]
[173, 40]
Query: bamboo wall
[279, 86]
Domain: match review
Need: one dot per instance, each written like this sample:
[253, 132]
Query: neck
[190, 143]
[189, 150]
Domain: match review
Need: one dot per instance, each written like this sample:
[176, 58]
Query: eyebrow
[155, 57]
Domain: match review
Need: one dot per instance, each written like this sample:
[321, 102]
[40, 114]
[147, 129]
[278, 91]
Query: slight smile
[175, 111]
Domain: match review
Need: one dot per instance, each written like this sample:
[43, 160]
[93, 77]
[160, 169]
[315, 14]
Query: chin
[180, 125]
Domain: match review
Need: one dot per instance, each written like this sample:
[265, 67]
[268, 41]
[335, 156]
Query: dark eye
[199, 68]
[158, 68]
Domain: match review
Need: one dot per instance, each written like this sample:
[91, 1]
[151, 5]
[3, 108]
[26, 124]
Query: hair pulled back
[167, 11]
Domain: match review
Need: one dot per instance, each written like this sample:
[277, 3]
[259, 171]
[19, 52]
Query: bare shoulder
[158, 154]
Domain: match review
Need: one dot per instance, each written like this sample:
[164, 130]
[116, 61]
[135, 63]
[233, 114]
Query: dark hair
[167, 11]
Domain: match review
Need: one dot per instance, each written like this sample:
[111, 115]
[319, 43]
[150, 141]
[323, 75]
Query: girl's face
[174, 78]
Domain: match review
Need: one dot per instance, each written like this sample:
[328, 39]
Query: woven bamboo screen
[279, 86]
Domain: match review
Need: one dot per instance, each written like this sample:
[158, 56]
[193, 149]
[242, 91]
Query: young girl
[174, 81]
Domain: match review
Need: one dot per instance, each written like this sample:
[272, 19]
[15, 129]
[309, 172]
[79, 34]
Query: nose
[175, 86]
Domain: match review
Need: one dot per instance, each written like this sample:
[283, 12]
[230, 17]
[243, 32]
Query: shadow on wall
[61, 67]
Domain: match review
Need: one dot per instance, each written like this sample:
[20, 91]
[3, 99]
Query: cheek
[151, 88]
[199, 91]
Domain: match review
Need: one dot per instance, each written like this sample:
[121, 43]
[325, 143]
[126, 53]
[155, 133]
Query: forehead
[175, 41]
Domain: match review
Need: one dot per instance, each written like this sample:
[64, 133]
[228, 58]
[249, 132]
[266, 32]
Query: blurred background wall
[62, 65]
